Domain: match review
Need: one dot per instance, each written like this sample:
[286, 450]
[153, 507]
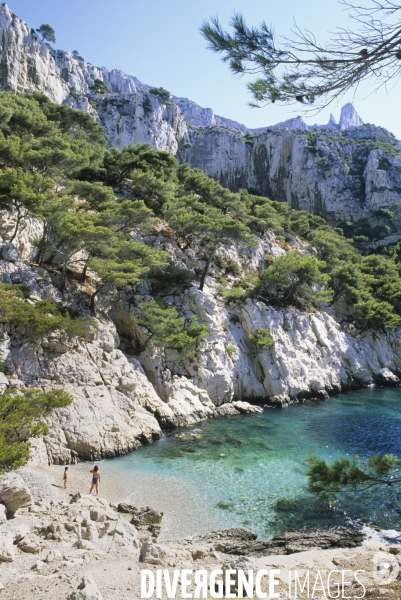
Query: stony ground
[59, 540]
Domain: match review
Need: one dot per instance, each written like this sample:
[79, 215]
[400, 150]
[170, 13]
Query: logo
[385, 568]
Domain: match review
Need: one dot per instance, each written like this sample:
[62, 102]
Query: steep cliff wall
[124, 397]
[345, 172]
[341, 175]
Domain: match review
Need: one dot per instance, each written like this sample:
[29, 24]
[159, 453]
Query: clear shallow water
[249, 470]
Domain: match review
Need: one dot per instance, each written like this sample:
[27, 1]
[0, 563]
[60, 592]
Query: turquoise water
[249, 470]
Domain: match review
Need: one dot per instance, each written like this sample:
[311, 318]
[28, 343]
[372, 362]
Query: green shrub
[249, 138]
[161, 93]
[43, 317]
[170, 278]
[167, 329]
[323, 163]
[261, 338]
[147, 105]
[3, 368]
[219, 262]
[99, 87]
[232, 268]
[231, 349]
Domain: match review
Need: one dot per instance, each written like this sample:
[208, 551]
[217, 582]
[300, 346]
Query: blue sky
[158, 41]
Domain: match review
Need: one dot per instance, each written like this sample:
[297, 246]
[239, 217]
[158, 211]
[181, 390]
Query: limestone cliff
[124, 397]
[342, 171]
[341, 175]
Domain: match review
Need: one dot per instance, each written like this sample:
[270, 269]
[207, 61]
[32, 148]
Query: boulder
[157, 554]
[87, 590]
[246, 409]
[145, 518]
[98, 514]
[30, 545]
[125, 535]
[7, 548]
[386, 377]
[226, 410]
[237, 540]
[11, 253]
[14, 492]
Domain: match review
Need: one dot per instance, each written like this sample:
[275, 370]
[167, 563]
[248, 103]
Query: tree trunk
[82, 279]
[205, 272]
[64, 274]
[53, 254]
[41, 250]
[93, 296]
[16, 226]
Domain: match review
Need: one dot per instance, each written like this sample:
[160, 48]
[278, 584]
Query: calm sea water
[249, 470]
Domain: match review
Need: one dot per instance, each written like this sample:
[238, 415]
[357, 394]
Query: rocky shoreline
[52, 542]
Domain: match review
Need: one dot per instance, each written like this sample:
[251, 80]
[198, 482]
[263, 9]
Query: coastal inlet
[250, 471]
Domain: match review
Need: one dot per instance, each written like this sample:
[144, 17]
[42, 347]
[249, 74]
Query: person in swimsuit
[65, 477]
[95, 480]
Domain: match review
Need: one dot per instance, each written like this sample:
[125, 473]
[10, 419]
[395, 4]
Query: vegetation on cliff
[98, 207]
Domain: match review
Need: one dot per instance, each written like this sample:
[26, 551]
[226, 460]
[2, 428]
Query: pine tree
[205, 226]
[47, 32]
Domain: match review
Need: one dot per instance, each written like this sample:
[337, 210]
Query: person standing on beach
[95, 480]
[65, 477]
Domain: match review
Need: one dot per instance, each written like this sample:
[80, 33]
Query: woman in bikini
[95, 480]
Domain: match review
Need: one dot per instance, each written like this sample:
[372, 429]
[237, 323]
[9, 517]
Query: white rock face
[336, 180]
[27, 64]
[115, 407]
[121, 402]
[204, 117]
[337, 177]
[127, 121]
[349, 117]
[295, 123]
[311, 355]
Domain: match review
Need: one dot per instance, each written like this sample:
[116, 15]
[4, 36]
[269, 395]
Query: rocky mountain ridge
[345, 172]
